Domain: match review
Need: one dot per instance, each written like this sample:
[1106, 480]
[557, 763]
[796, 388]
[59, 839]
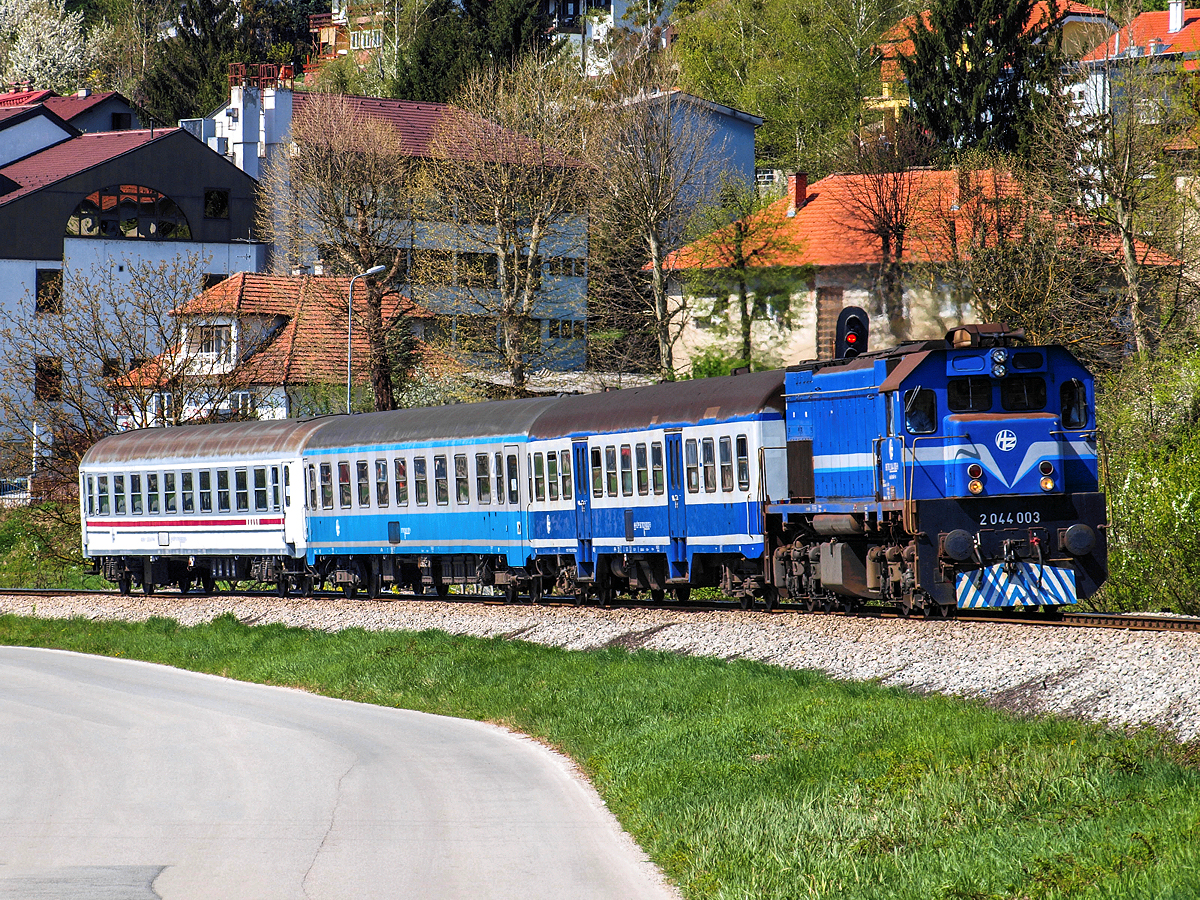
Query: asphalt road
[121, 780]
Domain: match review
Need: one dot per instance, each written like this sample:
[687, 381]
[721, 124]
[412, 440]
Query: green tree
[981, 71]
[190, 77]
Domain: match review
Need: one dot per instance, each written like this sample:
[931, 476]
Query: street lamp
[374, 270]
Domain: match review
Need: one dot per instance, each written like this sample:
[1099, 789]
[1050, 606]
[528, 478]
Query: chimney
[1175, 17]
[83, 92]
[797, 191]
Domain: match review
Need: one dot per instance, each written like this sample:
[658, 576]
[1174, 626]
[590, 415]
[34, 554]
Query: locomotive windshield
[1023, 393]
[1073, 397]
[969, 394]
[920, 411]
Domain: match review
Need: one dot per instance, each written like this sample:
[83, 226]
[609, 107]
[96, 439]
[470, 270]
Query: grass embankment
[743, 780]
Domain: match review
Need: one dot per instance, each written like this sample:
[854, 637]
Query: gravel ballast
[1120, 677]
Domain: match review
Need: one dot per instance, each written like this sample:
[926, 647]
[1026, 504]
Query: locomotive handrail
[909, 525]
[863, 391]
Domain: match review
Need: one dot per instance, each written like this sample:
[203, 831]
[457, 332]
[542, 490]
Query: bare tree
[745, 258]
[656, 162]
[885, 202]
[345, 193]
[508, 192]
[80, 353]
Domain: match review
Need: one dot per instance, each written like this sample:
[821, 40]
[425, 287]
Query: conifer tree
[980, 69]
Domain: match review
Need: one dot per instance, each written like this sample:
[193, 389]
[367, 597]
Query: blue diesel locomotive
[933, 476]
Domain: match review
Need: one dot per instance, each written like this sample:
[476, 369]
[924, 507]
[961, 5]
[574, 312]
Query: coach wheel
[746, 600]
[535, 590]
[185, 583]
[441, 588]
[124, 583]
[281, 586]
[581, 595]
[350, 590]
[372, 589]
[208, 584]
[657, 596]
[306, 585]
[605, 595]
[510, 593]
[147, 588]
[682, 594]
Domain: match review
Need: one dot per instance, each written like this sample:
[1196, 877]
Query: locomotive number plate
[1010, 518]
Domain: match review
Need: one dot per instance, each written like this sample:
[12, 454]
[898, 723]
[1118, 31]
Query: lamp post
[374, 270]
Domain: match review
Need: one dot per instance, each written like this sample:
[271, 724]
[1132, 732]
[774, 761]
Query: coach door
[584, 554]
[517, 504]
[676, 509]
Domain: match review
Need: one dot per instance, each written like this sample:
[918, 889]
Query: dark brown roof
[71, 157]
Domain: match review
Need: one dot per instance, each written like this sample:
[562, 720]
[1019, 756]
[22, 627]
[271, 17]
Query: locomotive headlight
[974, 470]
[1047, 483]
[998, 370]
[975, 486]
[1000, 355]
[1046, 467]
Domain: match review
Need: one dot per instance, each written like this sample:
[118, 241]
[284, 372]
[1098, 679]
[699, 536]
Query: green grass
[746, 781]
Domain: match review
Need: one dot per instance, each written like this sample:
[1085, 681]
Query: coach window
[345, 491]
[421, 480]
[400, 471]
[626, 470]
[152, 497]
[656, 467]
[514, 485]
[241, 489]
[529, 472]
[102, 494]
[363, 471]
[499, 478]
[743, 463]
[539, 478]
[223, 490]
[441, 481]
[610, 470]
[287, 488]
[1023, 393]
[597, 473]
[91, 495]
[691, 458]
[708, 452]
[642, 463]
[381, 483]
[462, 480]
[312, 487]
[920, 411]
[169, 492]
[726, 447]
[1073, 397]
[326, 485]
[972, 394]
[187, 494]
[483, 479]
[135, 494]
[552, 475]
[260, 489]
[565, 460]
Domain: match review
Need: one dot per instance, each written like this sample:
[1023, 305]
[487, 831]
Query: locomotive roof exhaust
[990, 335]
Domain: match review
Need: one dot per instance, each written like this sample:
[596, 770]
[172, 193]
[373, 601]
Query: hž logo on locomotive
[1006, 440]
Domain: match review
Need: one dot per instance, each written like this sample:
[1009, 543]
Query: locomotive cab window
[1023, 393]
[972, 394]
[1073, 396]
[920, 411]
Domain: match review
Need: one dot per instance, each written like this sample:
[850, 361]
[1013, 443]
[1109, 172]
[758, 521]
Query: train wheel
[185, 584]
[605, 595]
[372, 588]
[746, 600]
[581, 596]
[682, 594]
[770, 597]
[281, 586]
[208, 584]
[657, 596]
[535, 590]
[148, 588]
[306, 585]
[510, 593]
[124, 583]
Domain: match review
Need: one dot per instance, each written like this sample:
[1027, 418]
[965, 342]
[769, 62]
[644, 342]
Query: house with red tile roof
[87, 110]
[823, 235]
[256, 345]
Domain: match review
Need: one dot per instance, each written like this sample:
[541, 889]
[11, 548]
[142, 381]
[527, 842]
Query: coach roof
[663, 405]
[229, 440]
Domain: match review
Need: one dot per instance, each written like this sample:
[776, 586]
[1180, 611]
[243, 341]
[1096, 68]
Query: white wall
[17, 141]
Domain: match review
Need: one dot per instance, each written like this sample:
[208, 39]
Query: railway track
[1125, 621]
